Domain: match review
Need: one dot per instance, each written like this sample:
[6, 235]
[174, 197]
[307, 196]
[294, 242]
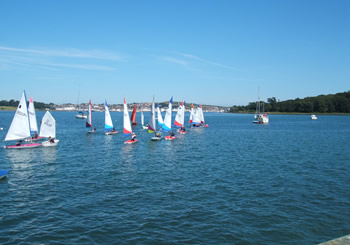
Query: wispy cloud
[196, 58]
[69, 58]
[69, 52]
[174, 60]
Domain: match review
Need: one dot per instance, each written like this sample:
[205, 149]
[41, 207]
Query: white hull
[313, 117]
[79, 116]
[48, 143]
[111, 133]
[156, 138]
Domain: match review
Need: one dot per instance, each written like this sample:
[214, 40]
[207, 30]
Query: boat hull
[156, 138]
[3, 173]
[81, 116]
[169, 137]
[131, 141]
[49, 144]
[34, 139]
[111, 132]
[23, 146]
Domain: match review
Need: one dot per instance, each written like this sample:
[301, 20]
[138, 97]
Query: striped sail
[179, 116]
[20, 126]
[167, 119]
[32, 117]
[48, 126]
[159, 116]
[89, 118]
[126, 121]
[108, 119]
[152, 120]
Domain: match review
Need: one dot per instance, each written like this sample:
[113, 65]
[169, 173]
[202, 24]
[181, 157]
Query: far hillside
[331, 103]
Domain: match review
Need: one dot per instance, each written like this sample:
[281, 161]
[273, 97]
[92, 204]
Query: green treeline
[38, 105]
[332, 103]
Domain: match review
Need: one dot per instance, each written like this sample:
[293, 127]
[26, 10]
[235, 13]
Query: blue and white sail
[108, 119]
[167, 119]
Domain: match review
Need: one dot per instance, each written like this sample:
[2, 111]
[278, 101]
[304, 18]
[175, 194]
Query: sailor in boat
[158, 135]
[35, 136]
[133, 137]
[182, 129]
[19, 143]
[51, 140]
[172, 134]
[94, 129]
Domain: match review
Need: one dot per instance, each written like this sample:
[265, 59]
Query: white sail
[196, 116]
[167, 119]
[159, 116]
[127, 125]
[20, 126]
[142, 118]
[201, 115]
[183, 114]
[179, 116]
[191, 115]
[152, 127]
[89, 119]
[48, 126]
[108, 119]
[32, 117]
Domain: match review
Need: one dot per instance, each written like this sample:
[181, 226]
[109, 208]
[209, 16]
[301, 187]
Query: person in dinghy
[51, 140]
[133, 137]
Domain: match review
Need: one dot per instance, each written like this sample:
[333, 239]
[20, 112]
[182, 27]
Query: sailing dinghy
[127, 125]
[166, 127]
[20, 127]
[48, 130]
[109, 129]
[89, 120]
[152, 126]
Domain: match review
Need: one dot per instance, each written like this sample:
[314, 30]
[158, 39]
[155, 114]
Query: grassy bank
[8, 108]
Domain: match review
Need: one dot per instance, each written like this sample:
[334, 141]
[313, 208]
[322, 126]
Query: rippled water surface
[232, 183]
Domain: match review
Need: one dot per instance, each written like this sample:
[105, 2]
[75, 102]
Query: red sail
[133, 116]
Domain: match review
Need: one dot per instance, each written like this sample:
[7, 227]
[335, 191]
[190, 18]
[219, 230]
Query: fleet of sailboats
[24, 124]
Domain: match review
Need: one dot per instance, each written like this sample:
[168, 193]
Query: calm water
[232, 183]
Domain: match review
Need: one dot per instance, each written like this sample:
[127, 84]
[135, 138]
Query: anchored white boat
[260, 116]
[313, 117]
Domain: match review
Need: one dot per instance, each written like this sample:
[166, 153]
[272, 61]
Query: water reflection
[49, 154]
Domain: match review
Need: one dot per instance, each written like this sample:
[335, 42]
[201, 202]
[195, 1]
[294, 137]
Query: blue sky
[210, 52]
